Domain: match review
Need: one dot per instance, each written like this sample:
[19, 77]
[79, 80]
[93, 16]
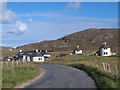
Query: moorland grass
[18, 75]
[102, 80]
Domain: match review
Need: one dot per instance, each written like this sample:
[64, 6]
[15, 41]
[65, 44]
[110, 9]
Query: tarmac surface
[60, 76]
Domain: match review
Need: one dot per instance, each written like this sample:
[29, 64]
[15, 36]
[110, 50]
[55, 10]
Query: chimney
[104, 43]
[77, 46]
[20, 50]
[40, 50]
[36, 50]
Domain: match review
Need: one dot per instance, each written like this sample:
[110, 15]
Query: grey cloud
[18, 28]
[73, 5]
[6, 15]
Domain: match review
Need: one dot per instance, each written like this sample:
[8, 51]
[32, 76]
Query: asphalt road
[60, 76]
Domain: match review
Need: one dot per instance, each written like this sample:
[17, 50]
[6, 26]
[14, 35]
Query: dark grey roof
[37, 54]
[77, 49]
[104, 45]
[30, 53]
[44, 52]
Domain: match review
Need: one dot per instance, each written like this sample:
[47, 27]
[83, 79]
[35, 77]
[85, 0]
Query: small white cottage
[35, 56]
[104, 50]
[46, 54]
[77, 50]
[38, 58]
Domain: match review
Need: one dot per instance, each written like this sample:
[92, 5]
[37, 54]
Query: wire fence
[103, 66]
[6, 65]
[13, 63]
[1, 74]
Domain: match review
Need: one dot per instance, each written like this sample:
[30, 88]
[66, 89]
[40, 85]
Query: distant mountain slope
[6, 51]
[89, 40]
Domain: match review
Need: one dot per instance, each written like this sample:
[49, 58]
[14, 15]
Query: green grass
[0, 77]
[93, 61]
[18, 75]
[102, 80]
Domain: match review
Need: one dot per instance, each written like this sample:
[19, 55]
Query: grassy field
[93, 65]
[0, 68]
[94, 61]
[18, 75]
[102, 80]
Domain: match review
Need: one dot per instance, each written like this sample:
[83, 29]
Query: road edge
[30, 81]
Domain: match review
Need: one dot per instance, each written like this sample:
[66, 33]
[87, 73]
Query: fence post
[1, 67]
[6, 63]
[116, 71]
[16, 62]
[97, 66]
[12, 63]
[109, 68]
[104, 66]
[20, 62]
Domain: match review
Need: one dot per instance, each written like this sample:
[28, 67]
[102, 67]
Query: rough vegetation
[18, 75]
[89, 40]
[102, 80]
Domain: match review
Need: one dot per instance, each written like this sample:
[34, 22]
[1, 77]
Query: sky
[31, 22]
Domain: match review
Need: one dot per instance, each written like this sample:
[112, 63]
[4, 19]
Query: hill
[6, 51]
[89, 40]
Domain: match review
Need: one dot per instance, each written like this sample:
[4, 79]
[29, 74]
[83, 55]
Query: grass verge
[102, 79]
[18, 75]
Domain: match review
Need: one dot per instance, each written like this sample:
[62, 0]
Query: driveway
[60, 76]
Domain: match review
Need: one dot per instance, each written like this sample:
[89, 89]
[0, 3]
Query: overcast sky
[30, 22]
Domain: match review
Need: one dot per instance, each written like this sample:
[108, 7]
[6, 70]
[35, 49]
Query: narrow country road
[60, 76]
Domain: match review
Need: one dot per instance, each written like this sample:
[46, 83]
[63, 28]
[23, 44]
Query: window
[39, 58]
[105, 53]
[105, 48]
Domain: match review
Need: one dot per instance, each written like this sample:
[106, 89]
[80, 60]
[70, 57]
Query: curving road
[60, 76]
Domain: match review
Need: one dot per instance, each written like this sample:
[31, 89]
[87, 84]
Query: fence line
[107, 67]
[116, 70]
[1, 67]
[13, 63]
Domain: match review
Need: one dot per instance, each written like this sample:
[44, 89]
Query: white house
[104, 50]
[77, 50]
[46, 54]
[35, 56]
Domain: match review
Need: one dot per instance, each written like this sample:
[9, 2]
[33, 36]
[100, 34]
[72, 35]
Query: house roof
[31, 53]
[104, 45]
[37, 54]
[77, 48]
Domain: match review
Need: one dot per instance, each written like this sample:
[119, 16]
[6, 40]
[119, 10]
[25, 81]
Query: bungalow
[104, 50]
[77, 50]
[45, 54]
[35, 55]
[7, 58]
